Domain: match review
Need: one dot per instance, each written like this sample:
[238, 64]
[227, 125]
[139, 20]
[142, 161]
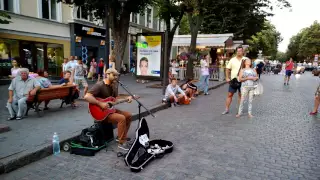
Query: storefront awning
[214, 40]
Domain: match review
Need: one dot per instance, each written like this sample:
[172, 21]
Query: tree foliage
[170, 10]
[243, 18]
[184, 27]
[266, 40]
[306, 43]
[4, 18]
[281, 56]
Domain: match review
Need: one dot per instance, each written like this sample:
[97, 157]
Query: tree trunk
[120, 26]
[171, 33]
[120, 29]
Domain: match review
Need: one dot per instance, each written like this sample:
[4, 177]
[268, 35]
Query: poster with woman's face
[149, 55]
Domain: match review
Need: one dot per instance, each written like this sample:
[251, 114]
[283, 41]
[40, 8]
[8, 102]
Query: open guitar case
[144, 150]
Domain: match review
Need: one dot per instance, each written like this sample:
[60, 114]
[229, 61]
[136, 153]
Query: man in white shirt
[174, 94]
[233, 66]
[70, 64]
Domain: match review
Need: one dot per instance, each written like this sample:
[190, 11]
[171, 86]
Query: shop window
[10, 5]
[50, 9]
[135, 18]
[149, 17]
[84, 14]
[8, 50]
[55, 59]
[40, 57]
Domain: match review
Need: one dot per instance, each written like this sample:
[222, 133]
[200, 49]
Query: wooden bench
[64, 93]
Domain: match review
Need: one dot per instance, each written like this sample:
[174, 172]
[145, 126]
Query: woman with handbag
[248, 78]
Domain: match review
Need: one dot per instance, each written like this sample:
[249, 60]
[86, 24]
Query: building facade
[38, 36]
[43, 32]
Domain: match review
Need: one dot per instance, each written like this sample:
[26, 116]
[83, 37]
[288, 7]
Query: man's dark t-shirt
[63, 80]
[102, 90]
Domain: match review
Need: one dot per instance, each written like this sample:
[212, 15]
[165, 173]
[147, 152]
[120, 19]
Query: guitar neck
[118, 102]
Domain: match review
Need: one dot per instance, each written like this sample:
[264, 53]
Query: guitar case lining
[143, 151]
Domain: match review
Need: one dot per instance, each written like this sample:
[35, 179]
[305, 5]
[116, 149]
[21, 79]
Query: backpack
[92, 136]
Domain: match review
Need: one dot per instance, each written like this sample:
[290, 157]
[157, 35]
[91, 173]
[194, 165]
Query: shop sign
[78, 39]
[82, 30]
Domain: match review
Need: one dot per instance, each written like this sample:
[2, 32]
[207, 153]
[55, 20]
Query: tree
[242, 18]
[306, 43]
[184, 27]
[238, 17]
[119, 18]
[266, 40]
[170, 10]
[281, 56]
[195, 11]
[293, 47]
[4, 18]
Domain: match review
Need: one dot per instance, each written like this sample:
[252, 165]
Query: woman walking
[93, 68]
[204, 79]
[248, 77]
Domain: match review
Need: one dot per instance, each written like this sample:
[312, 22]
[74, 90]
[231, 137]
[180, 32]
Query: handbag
[90, 74]
[234, 83]
[258, 90]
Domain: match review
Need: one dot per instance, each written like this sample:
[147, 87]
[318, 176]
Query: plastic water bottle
[55, 144]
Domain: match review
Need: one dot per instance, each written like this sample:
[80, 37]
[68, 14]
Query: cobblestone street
[281, 142]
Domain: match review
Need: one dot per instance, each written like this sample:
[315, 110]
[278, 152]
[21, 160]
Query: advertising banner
[149, 55]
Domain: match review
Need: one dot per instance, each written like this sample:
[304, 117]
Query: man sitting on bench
[20, 88]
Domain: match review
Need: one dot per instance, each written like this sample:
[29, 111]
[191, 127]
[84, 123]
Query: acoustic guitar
[100, 114]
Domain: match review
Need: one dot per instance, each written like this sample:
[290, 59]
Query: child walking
[248, 77]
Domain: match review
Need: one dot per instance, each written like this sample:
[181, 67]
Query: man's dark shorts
[288, 73]
[232, 90]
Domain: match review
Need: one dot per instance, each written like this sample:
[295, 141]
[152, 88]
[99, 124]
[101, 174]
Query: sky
[290, 22]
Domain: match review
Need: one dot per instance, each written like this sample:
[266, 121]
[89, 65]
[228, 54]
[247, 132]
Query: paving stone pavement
[33, 133]
[281, 142]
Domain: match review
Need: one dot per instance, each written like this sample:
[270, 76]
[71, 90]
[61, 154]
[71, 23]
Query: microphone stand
[139, 103]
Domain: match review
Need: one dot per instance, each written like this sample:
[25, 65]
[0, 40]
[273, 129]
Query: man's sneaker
[225, 112]
[128, 139]
[18, 118]
[176, 104]
[124, 146]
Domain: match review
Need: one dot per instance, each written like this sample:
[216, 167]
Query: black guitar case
[143, 150]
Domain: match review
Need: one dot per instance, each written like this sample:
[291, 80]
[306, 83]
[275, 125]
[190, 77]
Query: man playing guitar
[104, 89]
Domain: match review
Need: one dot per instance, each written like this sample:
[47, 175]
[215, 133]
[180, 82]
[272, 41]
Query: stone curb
[11, 164]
